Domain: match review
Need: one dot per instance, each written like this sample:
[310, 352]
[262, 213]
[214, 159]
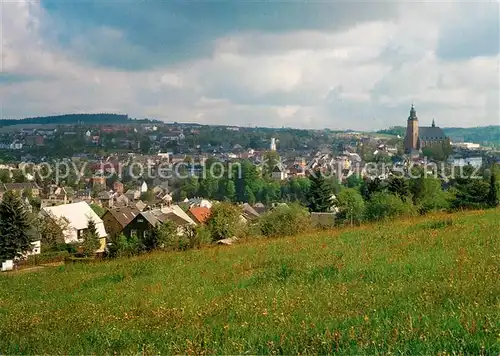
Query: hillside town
[128, 179]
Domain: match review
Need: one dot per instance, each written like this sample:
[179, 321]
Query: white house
[78, 216]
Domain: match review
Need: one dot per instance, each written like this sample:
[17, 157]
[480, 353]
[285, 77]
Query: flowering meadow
[420, 285]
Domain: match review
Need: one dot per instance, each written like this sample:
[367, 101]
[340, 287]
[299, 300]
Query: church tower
[411, 138]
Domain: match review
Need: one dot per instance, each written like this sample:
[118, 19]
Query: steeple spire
[433, 123]
[413, 112]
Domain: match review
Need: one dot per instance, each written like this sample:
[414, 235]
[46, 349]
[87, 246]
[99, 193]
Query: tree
[148, 197]
[354, 181]
[18, 176]
[430, 195]
[224, 221]
[320, 195]
[15, 241]
[249, 196]
[51, 230]
[399, 186]
[351, 207]
[493, 192]
[473, 194]
[284, 221]
[385, 205]
[161, 237]
[5, 176]
[99, 210]
[122, 246]
[91, 240]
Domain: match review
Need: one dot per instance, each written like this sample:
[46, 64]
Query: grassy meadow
[424, 285]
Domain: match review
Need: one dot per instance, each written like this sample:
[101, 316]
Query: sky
[317, 64]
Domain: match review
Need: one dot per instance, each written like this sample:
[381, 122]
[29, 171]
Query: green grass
[417, 286]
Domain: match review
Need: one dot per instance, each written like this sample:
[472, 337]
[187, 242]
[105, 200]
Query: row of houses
[130, 221]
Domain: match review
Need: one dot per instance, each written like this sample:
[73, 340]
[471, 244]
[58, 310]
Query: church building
[419, 137]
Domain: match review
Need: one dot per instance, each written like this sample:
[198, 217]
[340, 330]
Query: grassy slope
[406, 286]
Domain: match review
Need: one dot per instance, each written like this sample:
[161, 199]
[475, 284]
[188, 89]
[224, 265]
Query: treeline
[74, 119]
[487, 135]
[247, 183]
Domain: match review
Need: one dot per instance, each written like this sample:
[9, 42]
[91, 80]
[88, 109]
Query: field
[423, 285]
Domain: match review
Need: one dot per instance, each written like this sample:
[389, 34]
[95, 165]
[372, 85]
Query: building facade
[418, 137]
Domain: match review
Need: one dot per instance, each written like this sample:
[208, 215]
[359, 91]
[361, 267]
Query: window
[133, 233]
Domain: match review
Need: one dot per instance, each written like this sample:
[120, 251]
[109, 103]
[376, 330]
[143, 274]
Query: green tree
[354, 181]
[430, 195]
[15, 240]
[399, 186]
[18, 176]
[99, 210]
[161, 237]
[320, 195]
[224, 221]
[91, 240]
[5, 176]
[51, 230]
[148, 197]
[472, 194]
[385, 205]
[249, 196]
[208, 185]
[351, 207]
[191, 186]
[493, 191]
[123, 246]
[284, 221]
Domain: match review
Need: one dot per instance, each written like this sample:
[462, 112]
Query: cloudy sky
[333, 64]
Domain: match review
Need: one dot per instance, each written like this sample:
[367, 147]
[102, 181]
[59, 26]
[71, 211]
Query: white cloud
[296, 78]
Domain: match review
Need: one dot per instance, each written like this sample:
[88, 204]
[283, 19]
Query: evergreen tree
[14, 225]
[492, 194]
[399, 186]
[230, 190]
[320, 195]
[91, 240]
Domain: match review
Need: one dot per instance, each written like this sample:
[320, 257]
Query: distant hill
[74, 119]
[485, 135]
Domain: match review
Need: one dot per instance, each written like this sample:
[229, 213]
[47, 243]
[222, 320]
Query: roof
[430, 133]
[124, 215]
[104, 195]
[78, 215]
[250, 212]
[179, 212]
[200, 213]
[175, 218]
[151, 217]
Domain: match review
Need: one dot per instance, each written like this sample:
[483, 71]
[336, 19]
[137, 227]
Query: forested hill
[73, 119]
[485, 135]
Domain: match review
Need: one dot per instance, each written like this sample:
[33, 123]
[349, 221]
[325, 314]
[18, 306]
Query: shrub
[224, 221]
[285, 221]
[385, 205]
[351, 207]
[122, 246]
[74, 259]
[47, 257]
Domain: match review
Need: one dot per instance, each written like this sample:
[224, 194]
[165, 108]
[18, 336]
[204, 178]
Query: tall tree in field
[14, 225]
[320, 195]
